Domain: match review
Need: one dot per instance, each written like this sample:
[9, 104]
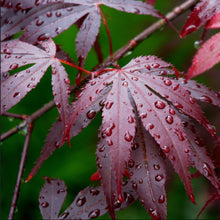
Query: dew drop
[94, 214]
[37, 2]
[158, 177]
[178, 105]
[49, 14]
[139, 105]
[191, 100]
[169, 119]
[176, 87]
[108, 104]
[172, 158]
[161, 199]
[198, 141]
[197, 44]
[150, 126]
[102, 102]
[117, 204]
[134, 78]
[130, 119]
[94, 192]
[156, 166]
[186, 150]
[43, 37]
[109, 142]
[167, 82]
[128, 137]
[91, 114]
[159, 104]
[148, 67]
[155, 65]
[56, 144]
[131, 163]
[128, 197]
[39, 22]
[190, 28]
[58, 14]
[125, 84]
[172, 111]
[134, 185]
[140, 181]
[179, 135]
[13, 66]
[44, 204]
[143, 115]
[101, 149]
[165, 149]
[134, 146]
[81, 201]
[205, 98]
[16, 94]
[64, 215]
[163, 72]
[154, 214]
[207, 170]
[7, 51]
[100, 166]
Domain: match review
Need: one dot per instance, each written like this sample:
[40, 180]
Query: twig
[20, 172]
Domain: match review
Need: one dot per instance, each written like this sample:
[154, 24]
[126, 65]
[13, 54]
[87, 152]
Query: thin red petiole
[76, 67]
[108, 32]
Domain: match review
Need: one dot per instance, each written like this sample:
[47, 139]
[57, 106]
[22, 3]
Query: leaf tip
[28, 178]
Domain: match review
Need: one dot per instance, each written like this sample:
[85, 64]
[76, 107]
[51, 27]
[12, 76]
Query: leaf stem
[75, 66]
[108, 32]
[20, 172]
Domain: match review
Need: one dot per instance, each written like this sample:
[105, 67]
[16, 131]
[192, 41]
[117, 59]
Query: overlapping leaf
[206, 57]
[15, 54]
[202, 12]
[88, 204]
[56, 21]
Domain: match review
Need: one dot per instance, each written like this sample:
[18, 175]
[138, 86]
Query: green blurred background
[76, 164]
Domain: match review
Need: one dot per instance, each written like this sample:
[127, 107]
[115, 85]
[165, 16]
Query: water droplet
[134, 78]
[56, 144]
[94, 214]
[207, 170]
[140, 181]
[138, 166]
[175, 87]
[150, 126]
[134, 185]
[156, 136]
[158, 177]
[109, 142]
[205, 98]
[58, 13]
[198, 141]
[108, 104]
[91, 114]
[117, 204]
[125, 84]
[149, 93]
[143, 115]
[100, 166]
[58, 105]
[161, 199]
[49, 14]
[159, 104]
[172, 158]
[61, 191]
[43, 37]
[13, 66]
[186, 150]
[179, 134]
[16, 94]
[139, 105]
[37, 2]
[102, 148]
[102, 102]
[172, 111]
[64, 215]
[130, 119]
[165, 149]
[28, 71]
[134, 146]
[8, 51]
[178, 105]
[167, 82]
[197, 44]
[191, 100]
[128, 197]
[155, 65]
[39, 22]
[44, 204]
[131, 163]
[94, 192]
[128, 137]
[169, 119]
[156, 166]
[81, 201]
[154, 214]
[190, 29]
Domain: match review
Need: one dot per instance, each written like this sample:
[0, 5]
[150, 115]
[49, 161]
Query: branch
[20, 172]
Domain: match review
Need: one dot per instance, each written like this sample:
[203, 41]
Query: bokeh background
[76, 164]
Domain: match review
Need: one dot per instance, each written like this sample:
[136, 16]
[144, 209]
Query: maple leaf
[142, 79]
[202, 12]
[56, 21]
[16, 53]
[89, 203]
[206, 57]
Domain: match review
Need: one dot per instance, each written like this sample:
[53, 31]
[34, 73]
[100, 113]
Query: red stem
[108, 32]
[20, 172]
[75, 66]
